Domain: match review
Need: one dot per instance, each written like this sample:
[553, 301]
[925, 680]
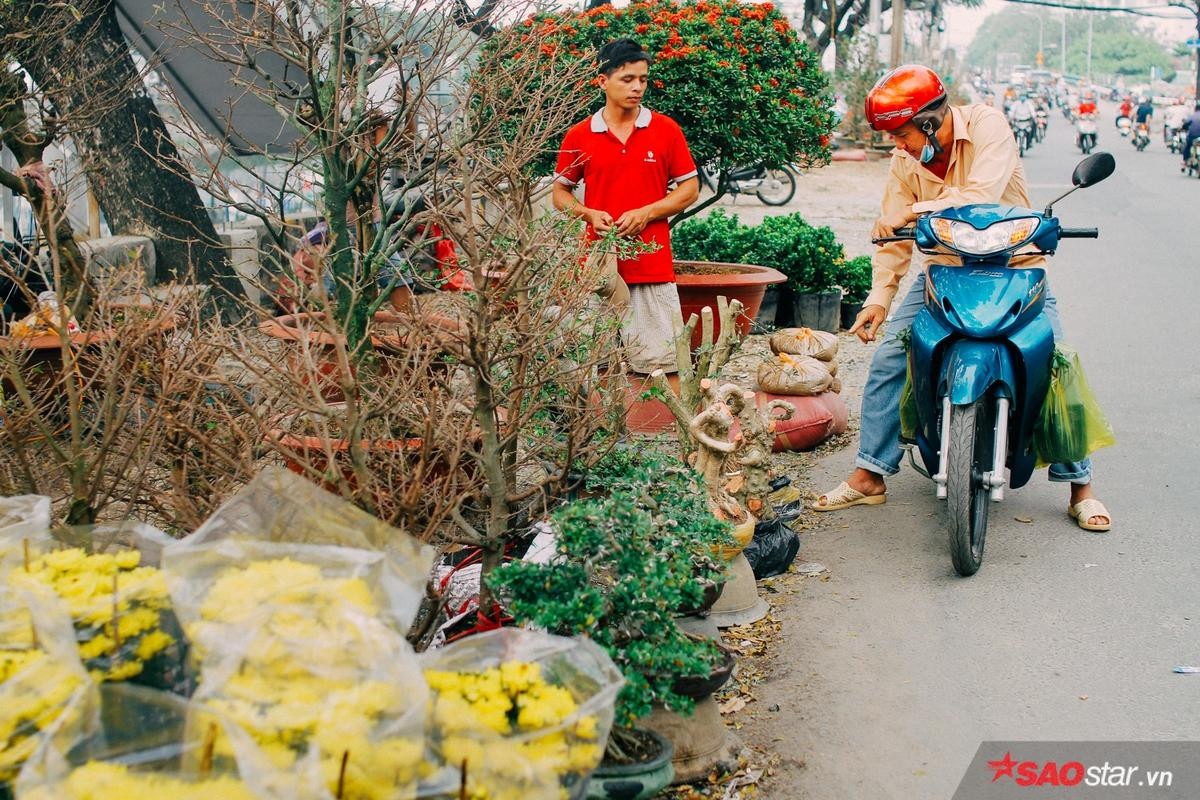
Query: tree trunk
[133, 167]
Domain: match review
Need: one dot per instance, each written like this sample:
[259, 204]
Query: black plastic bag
[773, 548]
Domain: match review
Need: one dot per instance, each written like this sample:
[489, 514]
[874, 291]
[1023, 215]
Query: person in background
[1192, 126]
[946, 156]
[627, 156]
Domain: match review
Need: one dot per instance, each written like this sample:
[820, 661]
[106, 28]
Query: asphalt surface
[892, 671]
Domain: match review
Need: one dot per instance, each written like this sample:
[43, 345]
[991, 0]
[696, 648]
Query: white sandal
[844, 497]
[1087, 509]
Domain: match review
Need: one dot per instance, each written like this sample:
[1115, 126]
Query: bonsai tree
[719, 237]
[806, 255]
[735, 76]
[855, 279]
[626, 563]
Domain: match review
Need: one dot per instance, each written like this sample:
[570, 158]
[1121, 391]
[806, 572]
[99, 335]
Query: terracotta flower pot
[701, 282]
[645, 416]
[42, 355]
[320, 360]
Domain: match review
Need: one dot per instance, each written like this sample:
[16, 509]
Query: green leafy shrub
[627, 562]
[716, 237]
[855, 279]
[741, 83]
[808, 256]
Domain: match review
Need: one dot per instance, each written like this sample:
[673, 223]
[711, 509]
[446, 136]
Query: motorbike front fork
[994, 478]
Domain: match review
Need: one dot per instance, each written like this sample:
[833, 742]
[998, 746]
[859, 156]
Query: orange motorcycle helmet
[902, 96]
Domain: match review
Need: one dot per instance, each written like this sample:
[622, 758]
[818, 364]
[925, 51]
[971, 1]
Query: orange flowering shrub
[737, 78]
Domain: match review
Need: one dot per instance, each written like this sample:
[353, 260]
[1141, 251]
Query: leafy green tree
[1121, 53]
[1015, 31]
[744, 87]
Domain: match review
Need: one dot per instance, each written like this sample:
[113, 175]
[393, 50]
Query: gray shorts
[648, 326]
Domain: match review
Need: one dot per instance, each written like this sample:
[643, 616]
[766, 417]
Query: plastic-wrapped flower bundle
[128, 741]
[40, 673]
[100, 780]
[528, 712]
[116, 605]
[313, 675]
[24, 525]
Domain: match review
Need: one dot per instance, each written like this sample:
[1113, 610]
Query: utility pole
[1063, 45]
[1089, 52]
[875, 23]
[897, 32]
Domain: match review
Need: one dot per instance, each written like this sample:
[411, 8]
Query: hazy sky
[961, 23]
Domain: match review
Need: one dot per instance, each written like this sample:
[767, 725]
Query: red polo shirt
[619, 177]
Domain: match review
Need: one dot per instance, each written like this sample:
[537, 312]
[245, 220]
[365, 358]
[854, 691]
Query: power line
[1141, 12]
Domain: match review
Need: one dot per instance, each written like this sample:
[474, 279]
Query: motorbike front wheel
[778, 187]
[972, 441]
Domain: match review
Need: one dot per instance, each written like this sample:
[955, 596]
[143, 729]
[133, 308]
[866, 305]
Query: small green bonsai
[805, 254]
[717, 237]
[855, 279]
[626, 563]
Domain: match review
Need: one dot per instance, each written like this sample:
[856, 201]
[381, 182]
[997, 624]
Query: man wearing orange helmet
[946, 156]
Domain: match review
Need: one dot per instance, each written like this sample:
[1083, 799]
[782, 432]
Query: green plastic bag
[908, 409]
[1071, 425]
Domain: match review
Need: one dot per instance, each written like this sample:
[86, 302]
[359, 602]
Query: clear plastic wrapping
[128, 741]
[528, 712]
[117, 600]
[40, 672]
[322, 685]
[308, 535]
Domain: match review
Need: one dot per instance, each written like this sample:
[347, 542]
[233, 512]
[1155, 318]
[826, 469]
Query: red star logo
[1003, 767]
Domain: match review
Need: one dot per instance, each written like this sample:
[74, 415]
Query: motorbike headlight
[995, 238]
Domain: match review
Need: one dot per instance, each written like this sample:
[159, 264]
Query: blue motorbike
[980, 354]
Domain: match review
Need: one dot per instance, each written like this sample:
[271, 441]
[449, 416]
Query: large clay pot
[701, 282]
[319, 359]
[635, 781]
[739, 603]
[700, 740]
[648, 416]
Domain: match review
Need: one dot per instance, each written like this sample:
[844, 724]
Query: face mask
[927, 152]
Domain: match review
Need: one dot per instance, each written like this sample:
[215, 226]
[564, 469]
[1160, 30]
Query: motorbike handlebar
[901, 235]
[1079, 233]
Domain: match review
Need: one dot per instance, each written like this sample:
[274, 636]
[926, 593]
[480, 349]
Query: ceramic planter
[819, 310]
[701, 282]
[634, 781]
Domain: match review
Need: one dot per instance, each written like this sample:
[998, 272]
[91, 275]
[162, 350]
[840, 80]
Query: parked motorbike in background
[1085, 133]
[774, 187]
[980, 355]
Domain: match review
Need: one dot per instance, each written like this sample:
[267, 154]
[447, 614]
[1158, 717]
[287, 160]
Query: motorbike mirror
[1093, 169]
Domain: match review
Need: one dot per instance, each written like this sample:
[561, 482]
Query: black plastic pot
[635, 781]
[849, 313]
[818, 310]
[776, 310]
[712, 593]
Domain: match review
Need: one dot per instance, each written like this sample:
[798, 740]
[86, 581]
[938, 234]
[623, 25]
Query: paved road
[892, 672]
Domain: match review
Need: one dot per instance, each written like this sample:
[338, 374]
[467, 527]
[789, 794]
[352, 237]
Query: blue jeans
[879, 438]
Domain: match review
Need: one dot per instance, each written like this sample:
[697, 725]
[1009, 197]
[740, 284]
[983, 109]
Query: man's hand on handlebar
[867, 323]
[886, 226]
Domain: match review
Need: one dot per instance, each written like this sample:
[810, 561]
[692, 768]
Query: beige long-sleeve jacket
[984, 168]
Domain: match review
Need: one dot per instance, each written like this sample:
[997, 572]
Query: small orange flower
[658, 84]
[642, 28]
[758, 87]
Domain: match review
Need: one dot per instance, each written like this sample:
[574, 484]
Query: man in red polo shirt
[625, 155]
